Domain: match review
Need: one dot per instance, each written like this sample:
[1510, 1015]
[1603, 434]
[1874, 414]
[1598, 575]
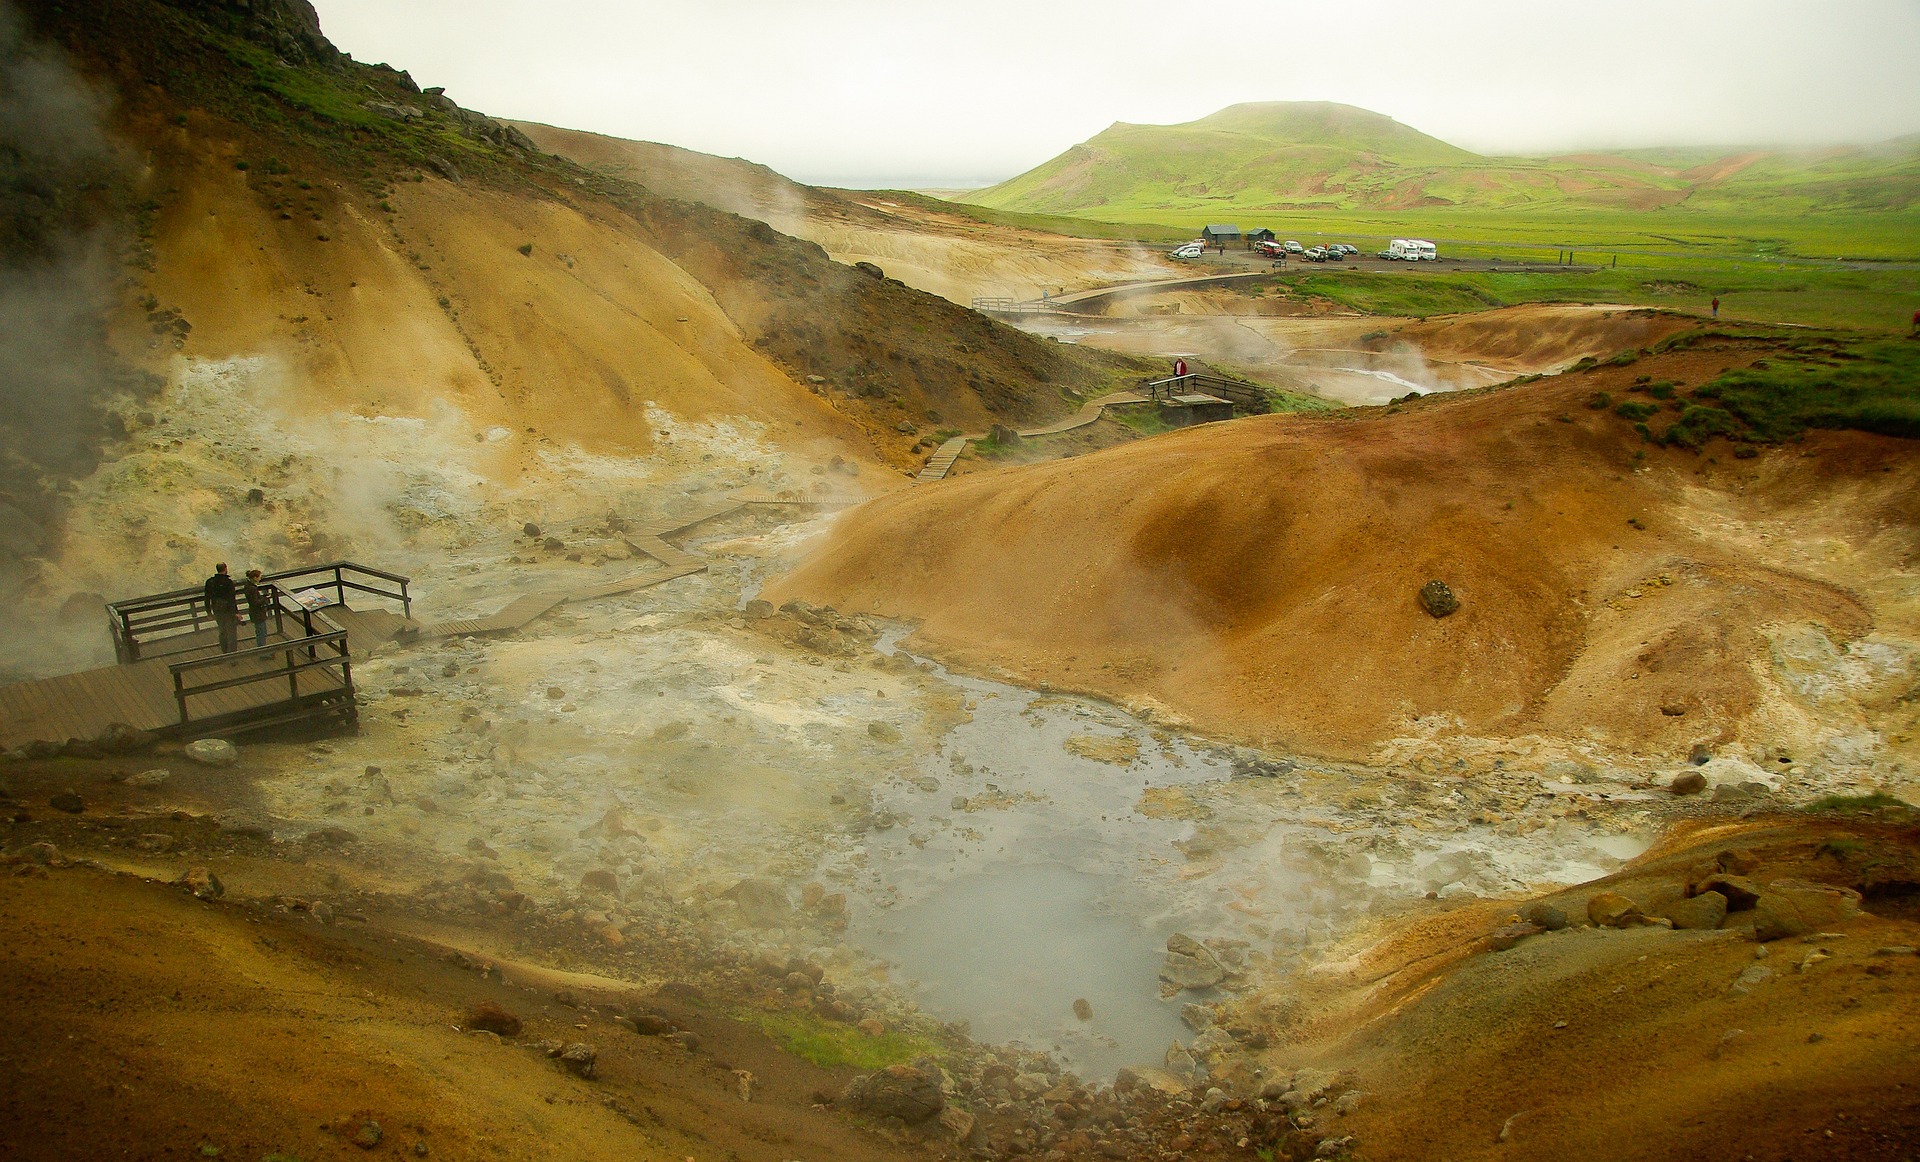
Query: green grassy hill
[1288, 164]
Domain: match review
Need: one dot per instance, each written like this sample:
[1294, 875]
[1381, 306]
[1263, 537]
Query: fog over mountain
[859, 92]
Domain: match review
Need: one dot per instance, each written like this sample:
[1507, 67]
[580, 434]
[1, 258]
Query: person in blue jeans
[219, 591]
[256, 596]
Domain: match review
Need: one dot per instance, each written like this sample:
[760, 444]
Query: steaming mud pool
[792, 786]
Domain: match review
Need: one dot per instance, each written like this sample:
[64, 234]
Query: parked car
[1347, 248]
[1389, 255]
[1270, 249]
[1336, 254]
[1188, 250]
[1315, 254]
[1294, 247]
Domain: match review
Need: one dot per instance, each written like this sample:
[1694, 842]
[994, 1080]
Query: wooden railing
[162, 624]
[1245, 395]
[317, 652]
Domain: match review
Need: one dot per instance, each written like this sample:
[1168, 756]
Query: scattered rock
[43, 854]
[907, 1092]
[119, 738]
[1775, 918]
[212, 752]
[884, 731]
[1179, 1061]
[1190, 964]
[1508, 935]
[1437, 599]
[531, 530]
[1750, 976]
[1004, 436]
[1545, 915]
[759, 609]
[601, 879]
[869, 269]
[872, 1026]
[1083, 1009]
[686, 1038]
[1199, 1018]
[155, 842]
[368, 1135]
[1706, 910]
[1740, 892]
[202, 883]
[149, 779]
[763, 903]
[492, 1018]
[1688, 783]
[957, 1123]
[1611, 910]
[1738, 861]
[579, 1058]
[68, 801]
[650, 1024]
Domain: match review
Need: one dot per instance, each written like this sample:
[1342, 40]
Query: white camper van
[1423, 250]
[1402, 250]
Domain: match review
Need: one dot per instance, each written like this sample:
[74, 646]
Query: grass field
[1866, 299]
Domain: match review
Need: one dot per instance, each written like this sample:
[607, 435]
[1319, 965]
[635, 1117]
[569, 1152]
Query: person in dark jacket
[222, 603]
[256, 595]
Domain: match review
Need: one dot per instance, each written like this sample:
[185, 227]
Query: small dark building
[1219, 236]
[1261, 235]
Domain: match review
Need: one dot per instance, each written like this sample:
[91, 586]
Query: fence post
[180, 694]
[293, 678]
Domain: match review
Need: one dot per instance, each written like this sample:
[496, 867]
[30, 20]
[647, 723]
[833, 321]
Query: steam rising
[58, 170]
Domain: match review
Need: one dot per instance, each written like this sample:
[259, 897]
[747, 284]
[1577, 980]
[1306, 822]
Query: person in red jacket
[1716, 306]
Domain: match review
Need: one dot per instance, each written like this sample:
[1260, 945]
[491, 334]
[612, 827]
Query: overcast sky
[938, 92]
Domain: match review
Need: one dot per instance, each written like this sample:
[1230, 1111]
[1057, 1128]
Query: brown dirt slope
[148, 1024]
[1259, 578]
[1593, 1043]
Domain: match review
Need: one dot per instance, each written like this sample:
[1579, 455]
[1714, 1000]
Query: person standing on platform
[256, 596]
[222, 603]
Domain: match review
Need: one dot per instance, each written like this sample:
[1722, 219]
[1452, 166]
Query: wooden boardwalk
[944, 456]
[141, 695]
[259, 689]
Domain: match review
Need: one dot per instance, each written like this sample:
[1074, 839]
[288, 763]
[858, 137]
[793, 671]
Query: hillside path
[944, 456]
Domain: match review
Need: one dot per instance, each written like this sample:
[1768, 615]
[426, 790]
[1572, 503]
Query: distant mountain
[1320, 155]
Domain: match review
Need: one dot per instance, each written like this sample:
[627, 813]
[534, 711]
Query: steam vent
[1265, 635]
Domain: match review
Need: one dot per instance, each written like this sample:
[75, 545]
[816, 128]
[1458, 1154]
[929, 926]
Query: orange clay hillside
[1260, 578]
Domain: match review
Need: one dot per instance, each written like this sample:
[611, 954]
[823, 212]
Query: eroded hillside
[1260, 579]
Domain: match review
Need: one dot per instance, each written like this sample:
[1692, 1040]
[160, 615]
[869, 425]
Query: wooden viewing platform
[172, 678]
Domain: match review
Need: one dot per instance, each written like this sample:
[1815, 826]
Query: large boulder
[908, 1092]
[1706, 910]
[1190, 964]
[1798, 907]
[763, 903]
[1437, 598]
[1741, 893]
[212, 752]
[1611, 910]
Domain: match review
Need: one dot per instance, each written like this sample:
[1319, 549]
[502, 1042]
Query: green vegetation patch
[828, 1043]
[1870, 386]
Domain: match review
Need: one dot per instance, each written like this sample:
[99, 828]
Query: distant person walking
[256, 596]
[222, 604]
[1716, 306]
[1180, 365]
